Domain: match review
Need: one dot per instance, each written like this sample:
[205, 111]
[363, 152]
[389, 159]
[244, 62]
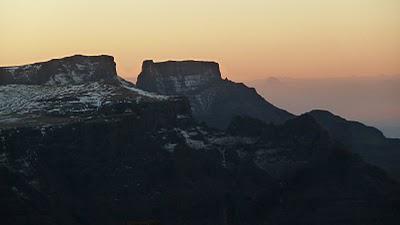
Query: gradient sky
[251, 39]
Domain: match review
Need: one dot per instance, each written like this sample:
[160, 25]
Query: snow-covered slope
[68, 89]
[41, 103]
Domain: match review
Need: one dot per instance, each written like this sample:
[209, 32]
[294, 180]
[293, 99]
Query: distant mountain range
[370, 99]
[80, 145]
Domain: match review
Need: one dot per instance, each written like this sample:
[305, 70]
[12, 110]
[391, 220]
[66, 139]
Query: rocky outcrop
[214, 100]
[76, 69]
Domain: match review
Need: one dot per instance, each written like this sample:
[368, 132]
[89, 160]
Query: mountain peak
[321, 112]
[76, 69]
[213, 100]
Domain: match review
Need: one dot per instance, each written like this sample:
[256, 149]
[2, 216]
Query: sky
[250, 39]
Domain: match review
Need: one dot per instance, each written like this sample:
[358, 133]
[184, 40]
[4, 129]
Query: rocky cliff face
[213, 100]
[177, 78]
[67, 71]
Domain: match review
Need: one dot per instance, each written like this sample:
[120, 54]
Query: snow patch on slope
[130, 87]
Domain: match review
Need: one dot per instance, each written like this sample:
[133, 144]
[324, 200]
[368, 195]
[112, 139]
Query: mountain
[367, 141]
[102, 152]
[214, 100]
[217, 101]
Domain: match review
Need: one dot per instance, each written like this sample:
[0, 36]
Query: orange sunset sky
[250, 39]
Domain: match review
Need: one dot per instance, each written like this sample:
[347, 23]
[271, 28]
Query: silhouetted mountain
[108, 153]
[367, 141]
[347, 131]
[213, 100]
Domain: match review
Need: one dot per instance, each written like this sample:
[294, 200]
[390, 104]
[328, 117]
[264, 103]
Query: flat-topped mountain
[76, 69]
[214, 100]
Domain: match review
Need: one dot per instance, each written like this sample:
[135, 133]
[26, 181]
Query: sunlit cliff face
[251, 39]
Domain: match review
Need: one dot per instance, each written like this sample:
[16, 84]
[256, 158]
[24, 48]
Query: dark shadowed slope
[367, 141]
[213, 100]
